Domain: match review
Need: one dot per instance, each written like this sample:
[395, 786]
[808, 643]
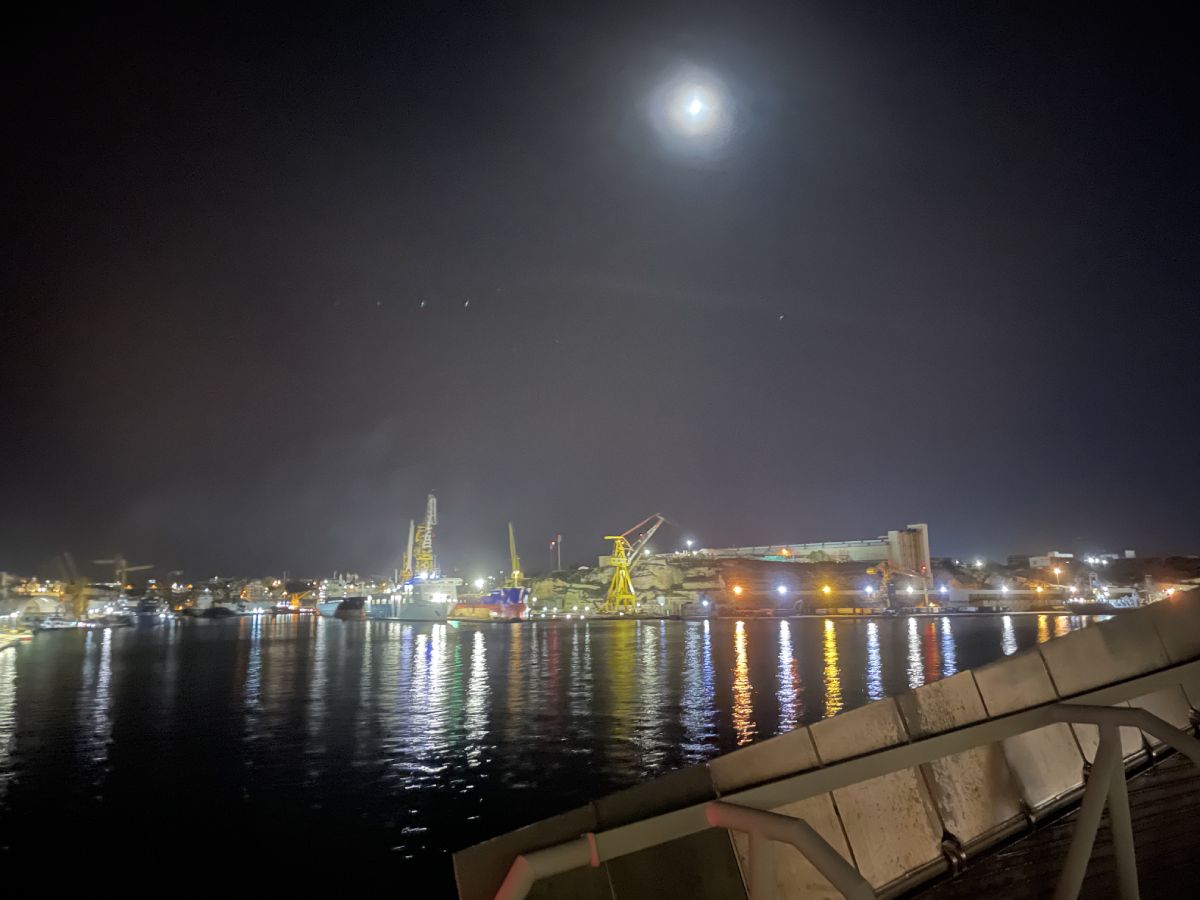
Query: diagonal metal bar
[799, 834]
[1106, 766]
[762, 867]
[1121, 825]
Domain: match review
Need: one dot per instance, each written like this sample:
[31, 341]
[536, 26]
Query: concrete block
[765, 761]
[479, 870]
[770, 760]
[1045, 763]
[795, 877]
[941, 706]
[974, 792]
[1124, 646]
[891, 825]
[701, 865]
[1177, 620]
[1171, 705]
[859, 731]
[684, 787]
[1015, 682]
[890, 821]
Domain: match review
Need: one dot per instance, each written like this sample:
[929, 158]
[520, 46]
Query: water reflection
[698, 691]
[833, 673]
[949, 657]
[916, 677]
[649, 719]
[252, 691]
[407, 740]
[789, 681]
[95, 695]
[1008, 637]
[743, 702]
[1063, 625]
[475, 720]
[8, 715]
[931, 650]
[874, 663]
[1043, 633]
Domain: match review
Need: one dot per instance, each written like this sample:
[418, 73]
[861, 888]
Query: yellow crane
[424, 562]
[74, 596]
[621, 596]
[406, 573]
[515, 579]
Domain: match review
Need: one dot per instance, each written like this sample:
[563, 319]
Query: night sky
[271, 276]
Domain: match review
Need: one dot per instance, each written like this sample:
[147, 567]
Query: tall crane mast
[517, 576]
[425, 564]
[406, 573]
[621, 596]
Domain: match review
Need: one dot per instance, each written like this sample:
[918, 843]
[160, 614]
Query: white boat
[425, 602]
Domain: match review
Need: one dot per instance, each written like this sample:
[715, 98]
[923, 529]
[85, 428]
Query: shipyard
[893, 574]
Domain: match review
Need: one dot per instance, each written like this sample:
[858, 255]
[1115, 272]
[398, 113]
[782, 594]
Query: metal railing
[749, 810]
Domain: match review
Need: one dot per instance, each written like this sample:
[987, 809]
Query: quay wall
[900, 829]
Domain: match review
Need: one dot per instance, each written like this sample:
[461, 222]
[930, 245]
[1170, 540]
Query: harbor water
[398, 743]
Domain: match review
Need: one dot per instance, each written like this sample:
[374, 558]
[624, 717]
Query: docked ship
[421, 594]
[422, 600]
[347, 597]
[509, 603]
[504, 604]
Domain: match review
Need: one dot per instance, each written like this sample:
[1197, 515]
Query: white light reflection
[949, 660]
[916, 673]
[1008, 640]
[96, 689]
[475, 721]
[427, 701]
[874, 662]
[252, 692]
[788, 681]
[8, 715]
[698, 692]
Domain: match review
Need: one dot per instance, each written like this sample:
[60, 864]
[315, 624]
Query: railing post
[772, 826]
[1108, 761]
[1121, 824]
[762, 867]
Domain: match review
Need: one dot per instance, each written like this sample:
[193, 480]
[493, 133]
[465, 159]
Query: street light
[781, 590]
[1057, 572]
